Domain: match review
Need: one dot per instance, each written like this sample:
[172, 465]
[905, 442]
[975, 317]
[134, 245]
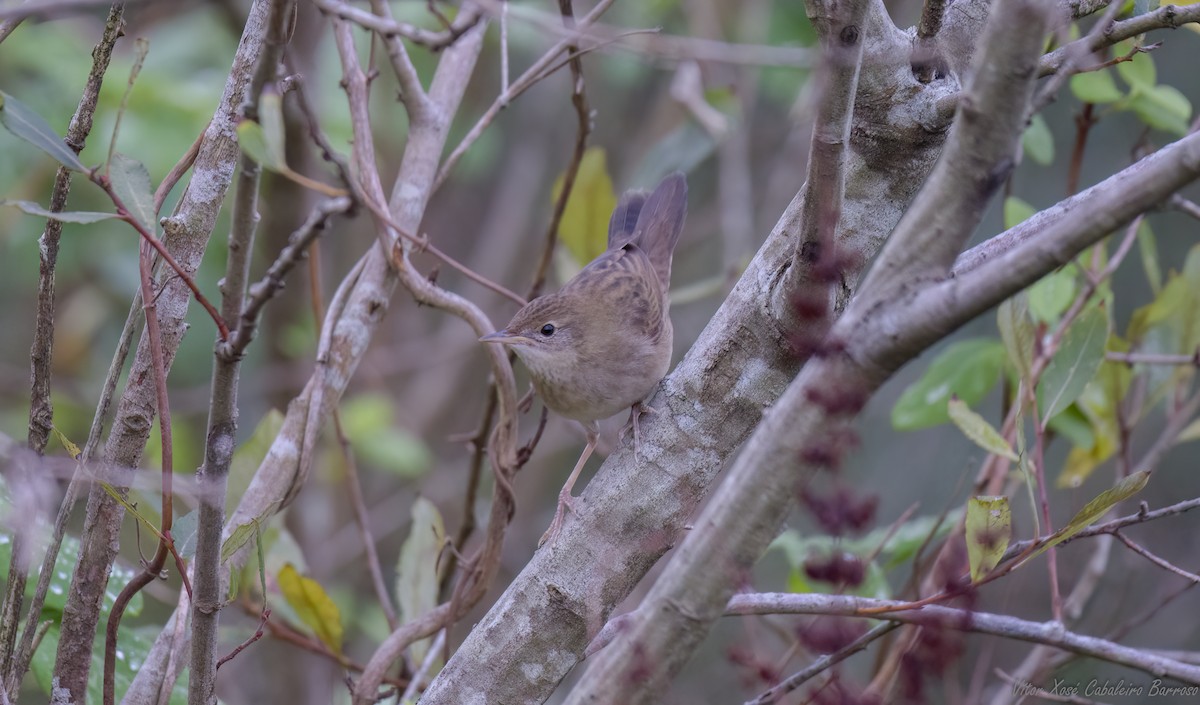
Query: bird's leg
[635, 413]
[526, 402]
[565, 500]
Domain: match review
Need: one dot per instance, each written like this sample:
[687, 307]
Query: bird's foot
[635, 412]
[565, 502]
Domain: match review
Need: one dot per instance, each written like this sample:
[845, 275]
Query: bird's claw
[565, 502]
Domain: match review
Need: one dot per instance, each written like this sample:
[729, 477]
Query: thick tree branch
[635, 509]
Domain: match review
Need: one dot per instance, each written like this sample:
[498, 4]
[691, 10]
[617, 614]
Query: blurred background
[420, 391]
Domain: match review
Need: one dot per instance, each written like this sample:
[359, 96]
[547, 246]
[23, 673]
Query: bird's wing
[625, 281]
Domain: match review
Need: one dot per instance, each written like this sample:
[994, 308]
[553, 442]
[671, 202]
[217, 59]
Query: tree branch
[936, 616]
[187, 234]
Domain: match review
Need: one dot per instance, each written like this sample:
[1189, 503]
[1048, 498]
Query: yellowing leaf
[312, 606]
[989, 529]
[66, 443]
[1096, 508]
[979, 430]
[584, 226]
[1189, 433]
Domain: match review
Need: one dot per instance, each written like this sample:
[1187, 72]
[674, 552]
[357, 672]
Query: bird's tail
[659, 223]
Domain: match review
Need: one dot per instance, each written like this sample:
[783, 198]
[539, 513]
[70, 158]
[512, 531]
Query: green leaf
[1016, 211]
[23, 122]
[1038, 142]
[1075, 364]
[254, 143]
[988, 530]
[976, 428]
[1095, 87]
[1093, 510]
[65, 216]
[416, 574]
[242, 534]
[1148, 248]
[584, 226]
[369, 422]
[1074, 426]
[1052, 295]
[1016, 330]
[313, 606]
[133, 646]
[1163, 108]
[60, 580]
[968, 369]
[183, 532]
[1139, 71]
[249, 455]
[131, 183]
[1099, 404]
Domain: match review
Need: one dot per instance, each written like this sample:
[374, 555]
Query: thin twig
[1165, 17]
[1141, 358]
[582, 130]
[531, 76]
[1047, 633]
[1160, 562]
[823, 664]
[176, 173]
[1184, 205]
[258, 634]
[1074, 58]
[273, 281]
[150, 571]
[41, 405]
[388, 28]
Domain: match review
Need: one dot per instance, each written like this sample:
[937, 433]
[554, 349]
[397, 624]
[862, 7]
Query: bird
[602, 342]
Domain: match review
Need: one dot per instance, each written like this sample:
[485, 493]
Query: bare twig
[176, 173]
[1141, 358]
[221, 435]
[1165, 17]
[1047, 633]
[531, 76]
[150, 571]
[272, 282]
[389, 28]
[583, 129]
[1156, 560]
[41, 407]
[823, 664]
[258, 634]
[1073, 58]
[1184, 205]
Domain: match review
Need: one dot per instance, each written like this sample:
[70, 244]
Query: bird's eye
[548, 330]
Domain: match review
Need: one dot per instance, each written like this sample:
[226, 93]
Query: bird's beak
[501, 336]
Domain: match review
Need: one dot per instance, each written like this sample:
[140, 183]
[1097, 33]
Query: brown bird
[602, 342]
